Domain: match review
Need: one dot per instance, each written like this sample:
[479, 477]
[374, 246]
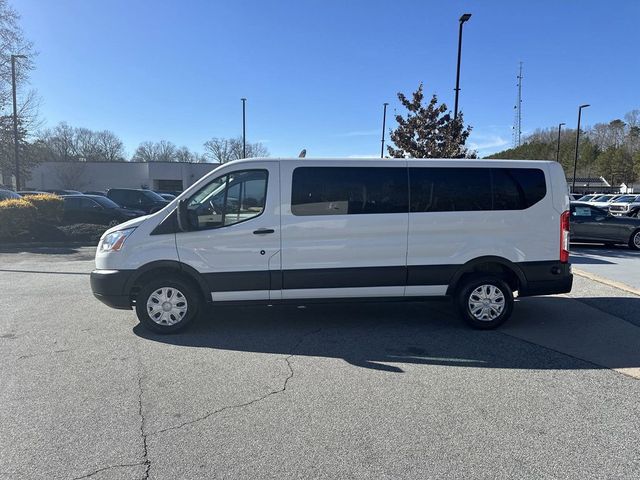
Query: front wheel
[634, 241]
[167, 305]
[485, 302]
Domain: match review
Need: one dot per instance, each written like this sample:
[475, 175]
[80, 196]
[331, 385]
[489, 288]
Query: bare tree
[223, 150]
[68, 144]
[146, 152]
[183, 154]
[166, 151]
[13, 42]
[110, 146]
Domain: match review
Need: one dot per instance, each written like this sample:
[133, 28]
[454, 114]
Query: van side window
[349, 190]
[229, 199]
[450, 189]
[517, 188]
[472, 189]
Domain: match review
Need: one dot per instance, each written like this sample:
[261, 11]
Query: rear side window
[517, 188]
[450, 189]
[473, 189]
[349, 190]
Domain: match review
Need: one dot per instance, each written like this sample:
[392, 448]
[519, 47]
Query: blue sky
[316, 73]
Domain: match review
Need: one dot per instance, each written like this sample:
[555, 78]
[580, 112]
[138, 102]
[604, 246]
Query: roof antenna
[303, 153]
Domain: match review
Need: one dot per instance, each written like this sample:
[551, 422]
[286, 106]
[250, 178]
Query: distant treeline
[610, 150]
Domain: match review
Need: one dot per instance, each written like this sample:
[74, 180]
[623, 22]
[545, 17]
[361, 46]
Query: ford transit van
[303, 230]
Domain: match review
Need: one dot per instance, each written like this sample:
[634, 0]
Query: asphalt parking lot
[327, 391]
[619, 263]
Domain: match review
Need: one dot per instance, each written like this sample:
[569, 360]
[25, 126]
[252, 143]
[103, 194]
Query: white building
[104, 175]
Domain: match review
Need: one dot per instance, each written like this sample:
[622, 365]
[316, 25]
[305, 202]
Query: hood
[134, 222]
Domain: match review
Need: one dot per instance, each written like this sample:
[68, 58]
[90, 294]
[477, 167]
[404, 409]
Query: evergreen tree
[428, 131]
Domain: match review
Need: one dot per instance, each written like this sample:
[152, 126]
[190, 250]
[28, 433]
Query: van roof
[461, 161]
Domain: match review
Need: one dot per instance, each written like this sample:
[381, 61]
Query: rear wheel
[634, 240]
[485, 302]
[167, 305]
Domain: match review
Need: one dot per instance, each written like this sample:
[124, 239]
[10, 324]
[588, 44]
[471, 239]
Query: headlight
[114, 241]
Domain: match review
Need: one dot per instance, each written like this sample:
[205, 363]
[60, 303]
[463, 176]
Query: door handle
[263, 231]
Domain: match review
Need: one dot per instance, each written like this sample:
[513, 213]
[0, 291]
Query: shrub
[48, 207]
[16, 216]
[83, 232]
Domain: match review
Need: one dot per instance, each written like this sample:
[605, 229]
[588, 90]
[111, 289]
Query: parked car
[9, 194]
[603, 200]
[96, 192]
[595, 224]
[95, 209]
[145, 200]
[26, 193]
[167, 196]
[316, 230]
[586, 198]
[175, 193]
[63, 192]
[627, 205]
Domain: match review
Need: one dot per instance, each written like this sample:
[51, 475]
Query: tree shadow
[379, 336]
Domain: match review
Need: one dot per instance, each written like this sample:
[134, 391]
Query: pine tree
[428, 131]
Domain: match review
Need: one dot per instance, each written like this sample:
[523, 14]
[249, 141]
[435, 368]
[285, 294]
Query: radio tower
[517, 121]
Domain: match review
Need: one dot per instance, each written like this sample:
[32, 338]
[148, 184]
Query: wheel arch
[170, 267]
[489, 265]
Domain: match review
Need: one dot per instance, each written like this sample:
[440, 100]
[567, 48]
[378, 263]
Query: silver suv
[625, 205]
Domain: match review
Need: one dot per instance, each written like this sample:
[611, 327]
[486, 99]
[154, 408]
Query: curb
[9, 246]
[606, 281]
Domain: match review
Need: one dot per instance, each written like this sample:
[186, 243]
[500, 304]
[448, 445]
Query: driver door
[234, 241]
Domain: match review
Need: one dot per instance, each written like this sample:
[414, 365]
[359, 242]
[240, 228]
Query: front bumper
[109, 286]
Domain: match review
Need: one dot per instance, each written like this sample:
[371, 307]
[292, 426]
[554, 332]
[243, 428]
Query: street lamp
[244, 129]
[575, 161]
[15, 118]
[558, 152]
[384, 121]
[464, 18]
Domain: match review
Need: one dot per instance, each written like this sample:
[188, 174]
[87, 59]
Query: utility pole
[244, 128]
[384, 121]
[15, 119]
[464, 18]
[575, 161]
[558, 152]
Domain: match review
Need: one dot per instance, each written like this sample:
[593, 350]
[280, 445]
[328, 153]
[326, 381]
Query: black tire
[634, 240]
[469, 288]
[177, 292]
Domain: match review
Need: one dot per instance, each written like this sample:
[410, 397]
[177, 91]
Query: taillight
[564, 237]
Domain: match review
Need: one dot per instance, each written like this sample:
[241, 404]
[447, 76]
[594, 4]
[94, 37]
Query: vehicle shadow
[389, 336]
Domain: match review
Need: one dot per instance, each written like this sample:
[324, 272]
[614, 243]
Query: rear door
[344, 228]
[235, 238]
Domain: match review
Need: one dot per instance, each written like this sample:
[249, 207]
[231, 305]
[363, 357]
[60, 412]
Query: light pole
[384, 122]
[244, 128]
[15, 118]
[558, 152]
[575, 161]
[463, 19]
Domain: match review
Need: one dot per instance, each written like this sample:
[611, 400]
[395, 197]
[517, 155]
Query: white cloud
[486, 142]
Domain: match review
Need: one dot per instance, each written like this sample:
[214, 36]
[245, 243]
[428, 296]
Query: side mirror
[182, 215]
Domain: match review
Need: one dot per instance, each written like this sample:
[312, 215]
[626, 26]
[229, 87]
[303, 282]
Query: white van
[302, 230]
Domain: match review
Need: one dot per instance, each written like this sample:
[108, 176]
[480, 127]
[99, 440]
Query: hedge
[16, 216]
[49, 207]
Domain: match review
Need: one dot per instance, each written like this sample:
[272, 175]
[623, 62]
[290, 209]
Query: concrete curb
[606, 281]
[11, 246]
